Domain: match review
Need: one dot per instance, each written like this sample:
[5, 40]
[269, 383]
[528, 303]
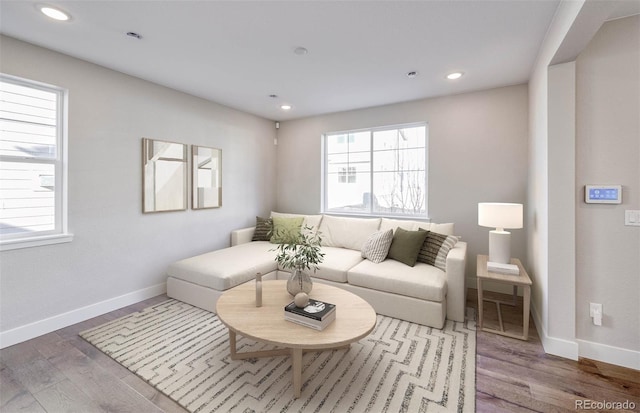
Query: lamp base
[500, 246]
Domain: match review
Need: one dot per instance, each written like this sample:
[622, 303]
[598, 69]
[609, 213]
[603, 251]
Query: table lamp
[500, 216]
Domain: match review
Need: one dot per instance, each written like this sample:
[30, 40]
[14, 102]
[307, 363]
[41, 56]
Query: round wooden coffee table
[237, 309]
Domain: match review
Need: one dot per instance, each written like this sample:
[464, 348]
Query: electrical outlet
[632, 218]
[595, 311]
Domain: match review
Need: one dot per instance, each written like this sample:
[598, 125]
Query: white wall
[542, 205]
[117, 251]
[561, 192]
[608, 151]
[605, 141]
[477, 153]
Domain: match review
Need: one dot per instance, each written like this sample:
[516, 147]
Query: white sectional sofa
[421, 294]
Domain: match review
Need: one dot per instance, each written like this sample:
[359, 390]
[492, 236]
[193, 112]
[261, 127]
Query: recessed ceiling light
[454, 75]
[55, 14]
[300, 51]
[412, 74]
[285, 107]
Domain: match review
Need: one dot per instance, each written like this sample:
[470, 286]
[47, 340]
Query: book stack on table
[510, 269]
[316, 314]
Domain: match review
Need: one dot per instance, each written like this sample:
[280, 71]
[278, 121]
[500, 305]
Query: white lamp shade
[499, 215]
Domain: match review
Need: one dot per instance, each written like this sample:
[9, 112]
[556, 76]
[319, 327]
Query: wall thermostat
[603, 194]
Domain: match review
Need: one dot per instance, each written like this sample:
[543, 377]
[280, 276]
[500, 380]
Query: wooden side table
[522, 279]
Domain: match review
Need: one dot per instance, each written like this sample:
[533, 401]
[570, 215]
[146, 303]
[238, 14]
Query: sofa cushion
[376, 247]
[228, 267]
[285, 229]
[388, 223]
[444, 229]
[347, 232]
[435, 249]
[406, 246]
[336, 263]
[263, 229]
[310, 221]
[421, 281]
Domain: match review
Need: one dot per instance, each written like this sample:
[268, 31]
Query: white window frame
[371, 213]
[60, 233]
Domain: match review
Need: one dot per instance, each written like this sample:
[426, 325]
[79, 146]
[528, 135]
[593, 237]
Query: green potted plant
[300, 252]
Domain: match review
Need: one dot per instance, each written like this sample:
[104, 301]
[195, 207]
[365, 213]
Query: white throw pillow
[376, 247]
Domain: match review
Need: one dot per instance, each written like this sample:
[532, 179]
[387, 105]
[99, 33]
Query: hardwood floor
[60, 372]
[517, 376]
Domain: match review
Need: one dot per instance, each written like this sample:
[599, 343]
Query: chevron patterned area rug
[183, 351]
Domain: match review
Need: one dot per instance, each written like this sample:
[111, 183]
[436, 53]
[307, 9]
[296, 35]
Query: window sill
[388, 216]
[14, 244]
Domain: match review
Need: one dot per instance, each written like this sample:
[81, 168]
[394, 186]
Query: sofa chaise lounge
[423, 293]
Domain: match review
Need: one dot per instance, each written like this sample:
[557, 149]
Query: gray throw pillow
[263, 229]
[376, 247]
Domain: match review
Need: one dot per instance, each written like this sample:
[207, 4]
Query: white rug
[183, 351]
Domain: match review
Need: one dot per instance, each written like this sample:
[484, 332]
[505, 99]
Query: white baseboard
[609, 354]
[41, 327]
[578, 348]
[582, 348]
[553, 345]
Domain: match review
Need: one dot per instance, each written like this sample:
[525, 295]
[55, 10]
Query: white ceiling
[237, 53]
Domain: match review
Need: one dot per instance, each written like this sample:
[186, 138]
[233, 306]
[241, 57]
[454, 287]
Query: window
[380, 171]
[347, 175]
[32, 164]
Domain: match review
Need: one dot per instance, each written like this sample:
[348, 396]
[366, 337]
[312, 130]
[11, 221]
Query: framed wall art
[206, 173]
[164, 174]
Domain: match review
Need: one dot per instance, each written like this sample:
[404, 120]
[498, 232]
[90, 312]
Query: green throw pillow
[263, 229]
[406, 246]
[285, 229]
